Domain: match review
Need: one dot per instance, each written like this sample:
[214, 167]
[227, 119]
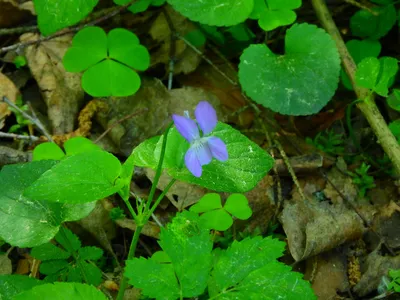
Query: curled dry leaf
[11, 13]
[8, 89]
[61, 90]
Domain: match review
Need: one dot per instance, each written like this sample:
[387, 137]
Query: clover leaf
[214, 13]
[53, 17]
[376, 74]
[108, 61]
[366, 25]
[141, 5]
[358, 51]
[214, 216]
[274, 13]
[286, 83]
[394, 99]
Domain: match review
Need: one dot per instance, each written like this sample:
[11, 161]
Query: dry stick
[362, 6]
[34, 120]
[62, 32]
[17, 30]
[172, 49]
[19, 136]
[367, 107]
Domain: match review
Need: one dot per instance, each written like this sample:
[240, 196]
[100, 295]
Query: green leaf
[366, 25]
[196, 38]
[49, 251]
[241, 32]
[246, 166]
[62, 291]
[52, 18]
[376, 74]
[188, 246]
[395, 129]
[19, 61]
[274, 281]
[286, 83]
[157, 280]
[358, 51]
[274, 13]
[47, 151]
[126, 177]
[90, 253]
[80, 178]
[242, 258]
[25, 222]
[208, 202]
[50, 267]
[92, 272]
[80, 144]
[108, 61]
[238, 206]
[394, 100]
[68, 240]
[214, 13]
[12, 285]
[141, 5]
[216, 219]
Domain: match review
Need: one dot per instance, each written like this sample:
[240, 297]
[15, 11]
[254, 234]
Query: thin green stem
[131, 254]
[130, 208]
[159, 168]
[162, 196]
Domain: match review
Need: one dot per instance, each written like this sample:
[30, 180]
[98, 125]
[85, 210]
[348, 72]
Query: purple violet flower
[202, 147]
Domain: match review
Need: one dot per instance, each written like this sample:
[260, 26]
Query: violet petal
[192, 162]
[218, 148]
[206, 117]
[186, 127]
[203, 152]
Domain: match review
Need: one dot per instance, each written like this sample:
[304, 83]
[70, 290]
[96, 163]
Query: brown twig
[19, 136]
[17, 30]
[362, 6]
[112, 13]
[33, 120]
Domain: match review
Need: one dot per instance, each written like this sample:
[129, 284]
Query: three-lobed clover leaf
[214, 13]
[358, 51]
[394, 99]
[141, 5]
[274, 13]
[54, 16]
[366, 25]
[215, 216]
[57, 264]
[108, 61]
[286, 83]
[377, 74]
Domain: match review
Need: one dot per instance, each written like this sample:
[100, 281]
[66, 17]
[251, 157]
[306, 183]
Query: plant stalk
[368, 107]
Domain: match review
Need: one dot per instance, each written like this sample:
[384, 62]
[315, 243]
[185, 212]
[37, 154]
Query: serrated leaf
[394, 100]
[375, 74]
[47, 151]
[246, 166]
[49, 251]
[80, 178]
[208, 202]
[214, 13]
[74, 274]
[12, 285]
[52, 18]
[161, 257]
[242, 258]
[358, 51]
[286, 83]
[189, 247]
[273, 281]
[92, 272]
[25, 222]
[366, 25]
[50, 267]
[68, 240]
[62, 291]
[238, 206]
[80, 144]
[216, 219]
[157, 281]
[90, 253]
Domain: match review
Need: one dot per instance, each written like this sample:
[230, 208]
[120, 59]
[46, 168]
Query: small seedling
[362, 179]
[328, 142]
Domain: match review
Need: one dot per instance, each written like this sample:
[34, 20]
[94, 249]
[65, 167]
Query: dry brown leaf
[11, 13]
[8, 89]
[187, 59]
[5, 265]
[61, 90]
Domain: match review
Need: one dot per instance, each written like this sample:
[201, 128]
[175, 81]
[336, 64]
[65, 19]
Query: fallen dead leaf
[11, 13]
[9, 90]
[61, 90]
[5, 265]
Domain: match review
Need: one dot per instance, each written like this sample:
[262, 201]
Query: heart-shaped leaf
[238, 206]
